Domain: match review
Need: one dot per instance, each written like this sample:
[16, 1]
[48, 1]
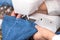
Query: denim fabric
[5, 2]
[58, 32]
[17, 29]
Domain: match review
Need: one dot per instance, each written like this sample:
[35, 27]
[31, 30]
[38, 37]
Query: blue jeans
[17, 29]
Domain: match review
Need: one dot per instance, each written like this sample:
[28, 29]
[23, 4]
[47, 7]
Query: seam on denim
[30, 33]
[10, 29]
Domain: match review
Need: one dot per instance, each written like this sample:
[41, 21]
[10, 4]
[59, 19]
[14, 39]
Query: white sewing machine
[50, 22]
[27, 7]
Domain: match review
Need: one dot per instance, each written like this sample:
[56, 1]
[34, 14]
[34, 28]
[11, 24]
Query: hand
[45, 33]
[16, 15]
[38, 36]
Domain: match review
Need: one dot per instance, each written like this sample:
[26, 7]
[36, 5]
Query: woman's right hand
[43, 33]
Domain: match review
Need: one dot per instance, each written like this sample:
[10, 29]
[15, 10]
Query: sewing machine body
[50, 22]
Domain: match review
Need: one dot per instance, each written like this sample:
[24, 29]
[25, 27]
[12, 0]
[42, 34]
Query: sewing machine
[27, 7]
[50, 22]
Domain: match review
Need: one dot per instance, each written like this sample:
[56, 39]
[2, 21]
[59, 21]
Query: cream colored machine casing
[50, 22]
[26, 7]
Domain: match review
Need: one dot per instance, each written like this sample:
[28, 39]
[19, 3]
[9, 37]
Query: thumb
[37, 27]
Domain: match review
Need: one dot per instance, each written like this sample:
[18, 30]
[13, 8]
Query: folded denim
[58, 32]
[17, 29]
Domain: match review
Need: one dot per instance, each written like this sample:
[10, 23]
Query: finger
[40, 28]
[37, 35]
[13, 13]
[37, 27]
[19, 16]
